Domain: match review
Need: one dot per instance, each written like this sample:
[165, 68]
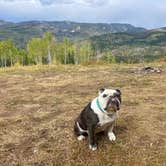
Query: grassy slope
[38, 107]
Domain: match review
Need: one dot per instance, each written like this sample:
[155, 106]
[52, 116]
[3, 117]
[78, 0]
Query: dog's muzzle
[113, 104]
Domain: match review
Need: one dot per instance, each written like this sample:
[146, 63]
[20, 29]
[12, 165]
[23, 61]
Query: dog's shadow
[118, 130]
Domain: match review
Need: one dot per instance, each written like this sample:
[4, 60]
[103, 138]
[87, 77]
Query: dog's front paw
[111, 136]
[93, 147]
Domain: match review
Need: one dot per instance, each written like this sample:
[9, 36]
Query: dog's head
[110, 99]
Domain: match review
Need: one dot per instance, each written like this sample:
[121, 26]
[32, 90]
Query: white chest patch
[104, 119]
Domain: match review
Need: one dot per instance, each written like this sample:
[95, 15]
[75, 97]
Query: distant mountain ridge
[24, 31]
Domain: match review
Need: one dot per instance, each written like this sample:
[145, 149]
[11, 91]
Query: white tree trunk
[48, 55]
[65, 56]
[5, 61]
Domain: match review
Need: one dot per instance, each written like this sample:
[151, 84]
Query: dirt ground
[38, 106]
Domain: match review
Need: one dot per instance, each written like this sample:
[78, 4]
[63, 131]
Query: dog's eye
[104, 95]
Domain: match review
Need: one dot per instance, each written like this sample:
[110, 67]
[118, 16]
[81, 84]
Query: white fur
[81, 128]
[103, 117]
[105, 120]
[81, 137]
[93, 148]
[111, 136]
[108, 92]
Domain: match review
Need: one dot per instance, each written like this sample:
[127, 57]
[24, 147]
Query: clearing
[38, 106]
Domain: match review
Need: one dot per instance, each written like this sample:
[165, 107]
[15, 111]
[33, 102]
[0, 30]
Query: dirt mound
[147, 69]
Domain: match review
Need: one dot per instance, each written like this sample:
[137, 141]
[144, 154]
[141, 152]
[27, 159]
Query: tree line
[45, 50]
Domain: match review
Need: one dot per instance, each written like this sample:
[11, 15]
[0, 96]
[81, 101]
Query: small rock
[35, 150]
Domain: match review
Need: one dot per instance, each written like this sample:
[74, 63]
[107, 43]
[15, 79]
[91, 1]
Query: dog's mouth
[113, 105]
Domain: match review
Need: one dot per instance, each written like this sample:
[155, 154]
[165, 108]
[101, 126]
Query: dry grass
[38, 106]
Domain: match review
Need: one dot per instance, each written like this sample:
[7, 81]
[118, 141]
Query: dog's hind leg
[80, 135]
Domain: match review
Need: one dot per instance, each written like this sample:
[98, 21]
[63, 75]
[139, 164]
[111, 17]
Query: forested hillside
[139, 47]
[113, 40]
[32, 43]
[22, 32]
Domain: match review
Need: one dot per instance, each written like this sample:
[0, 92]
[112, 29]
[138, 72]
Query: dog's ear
[119, 95]
[118, 91]
[101, 90]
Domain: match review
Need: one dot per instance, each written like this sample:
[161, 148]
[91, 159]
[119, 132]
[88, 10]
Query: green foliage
[140, 47]
[47, 50]
[109, 58]
[9, 54]
[115, 40]
[35, 51]
[130, 54]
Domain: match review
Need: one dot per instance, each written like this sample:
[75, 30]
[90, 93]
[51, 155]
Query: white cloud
[50, 2]
[146, 13]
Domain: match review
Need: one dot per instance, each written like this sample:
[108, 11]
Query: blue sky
[144, 13]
